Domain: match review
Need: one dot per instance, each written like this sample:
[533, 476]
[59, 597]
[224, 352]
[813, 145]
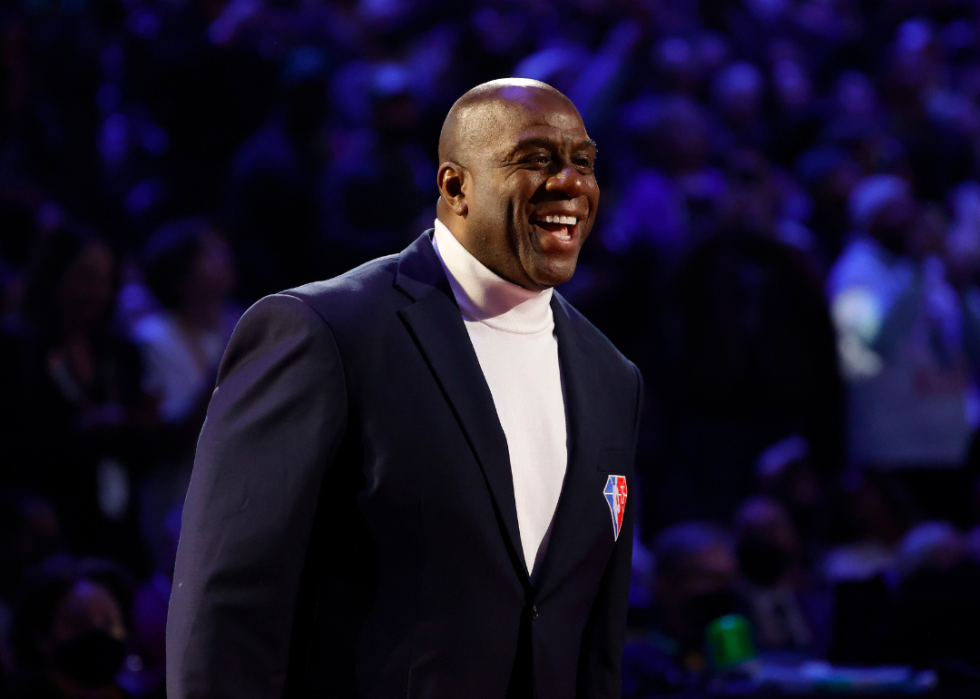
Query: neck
[484, 296]
[476, 248]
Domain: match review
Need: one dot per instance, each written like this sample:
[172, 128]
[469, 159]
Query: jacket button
[534, 613]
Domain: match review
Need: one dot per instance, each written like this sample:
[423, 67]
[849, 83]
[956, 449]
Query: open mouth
[562, 228]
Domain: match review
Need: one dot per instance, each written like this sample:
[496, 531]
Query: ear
[452, 180]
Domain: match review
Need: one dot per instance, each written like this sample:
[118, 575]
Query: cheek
[593, 196]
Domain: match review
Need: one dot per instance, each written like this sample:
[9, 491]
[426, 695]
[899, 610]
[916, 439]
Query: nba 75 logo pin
[615, 492]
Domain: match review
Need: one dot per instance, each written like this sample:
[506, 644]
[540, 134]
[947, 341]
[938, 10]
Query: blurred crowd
[788, 246]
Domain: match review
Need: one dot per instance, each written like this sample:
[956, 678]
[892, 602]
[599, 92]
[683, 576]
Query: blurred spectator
[901, 329]
[146, 677]
[189, 269]
[83, 409]
[784, 610]
[877, 511]
[829, 174]
[973, 545]
[738, 92]
[785, 472]
[381, 155]
[696, 571]
[750, 359]
[270, 198]
[931, 546]
[29, 533]
[936, 608]
[671, 206]
[69, 635]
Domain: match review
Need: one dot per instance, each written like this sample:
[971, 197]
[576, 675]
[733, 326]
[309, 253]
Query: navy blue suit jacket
[350, 527]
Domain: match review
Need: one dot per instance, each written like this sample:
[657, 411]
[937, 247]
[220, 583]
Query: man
[413, 478]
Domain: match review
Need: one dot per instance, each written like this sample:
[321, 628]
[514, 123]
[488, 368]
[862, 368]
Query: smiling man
[413, 479]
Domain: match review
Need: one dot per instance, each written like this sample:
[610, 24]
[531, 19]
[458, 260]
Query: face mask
[762, 562]
[91, 659]
[701, 610]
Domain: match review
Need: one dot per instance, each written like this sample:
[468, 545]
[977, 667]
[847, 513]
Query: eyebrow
[538, 141]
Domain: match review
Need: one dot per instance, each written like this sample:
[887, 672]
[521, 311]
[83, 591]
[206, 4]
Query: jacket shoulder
[363, 290]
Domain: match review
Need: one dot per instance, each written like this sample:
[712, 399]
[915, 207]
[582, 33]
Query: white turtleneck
[513, 332]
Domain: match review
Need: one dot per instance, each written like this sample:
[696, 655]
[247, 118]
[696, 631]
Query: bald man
[413, 480]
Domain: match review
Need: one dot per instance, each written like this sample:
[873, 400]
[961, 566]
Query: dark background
[788, 246]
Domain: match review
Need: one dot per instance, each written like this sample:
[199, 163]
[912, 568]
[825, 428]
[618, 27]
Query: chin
[553, 275]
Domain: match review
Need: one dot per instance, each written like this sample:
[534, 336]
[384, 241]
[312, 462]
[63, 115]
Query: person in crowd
[875, 512]
[84, 412]
[750, 358]
[69, 635]
[903, 325]
[189, 269]
[738, 92]
[695, 583]
[670, 201]
[973, 544]
[149, 622]
[785, 472]
[829, 174]
[930, 547]
[782, 605]
[936, 609]
[29, 533]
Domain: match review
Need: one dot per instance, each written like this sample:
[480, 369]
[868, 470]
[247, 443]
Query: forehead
[519, 114]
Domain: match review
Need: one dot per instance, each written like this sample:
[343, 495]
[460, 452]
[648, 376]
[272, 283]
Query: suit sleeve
[601, 654]
[275, 423]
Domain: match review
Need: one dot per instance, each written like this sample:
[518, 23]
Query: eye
[540, 159]
[583, 162]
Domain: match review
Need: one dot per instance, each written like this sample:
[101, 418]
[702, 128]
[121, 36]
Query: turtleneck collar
[485, 297]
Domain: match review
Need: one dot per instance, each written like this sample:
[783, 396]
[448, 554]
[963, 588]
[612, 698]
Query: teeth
[548, 219]
[566, 220]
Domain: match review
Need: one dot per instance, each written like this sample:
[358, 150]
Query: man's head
[516, 165]
[696, 570]
[884, 206]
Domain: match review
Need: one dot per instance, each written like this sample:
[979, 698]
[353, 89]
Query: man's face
[532, 196]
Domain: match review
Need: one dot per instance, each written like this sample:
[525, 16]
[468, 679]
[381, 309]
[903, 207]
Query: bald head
[473, 120]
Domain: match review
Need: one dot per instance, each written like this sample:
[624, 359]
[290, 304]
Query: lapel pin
[615, 492]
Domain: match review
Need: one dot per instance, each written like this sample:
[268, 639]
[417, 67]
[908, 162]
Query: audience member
[936, 609]
[83, 409]
[189, 269]
[29, 533]
[782, 604]
[785, 472]
[695, 579]
[876, 511]
[69, 635]
[901, 328]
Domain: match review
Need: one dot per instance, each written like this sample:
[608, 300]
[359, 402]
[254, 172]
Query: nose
[569, 181]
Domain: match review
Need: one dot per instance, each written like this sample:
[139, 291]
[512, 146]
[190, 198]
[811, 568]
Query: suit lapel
[569, 527]
[437, 327]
